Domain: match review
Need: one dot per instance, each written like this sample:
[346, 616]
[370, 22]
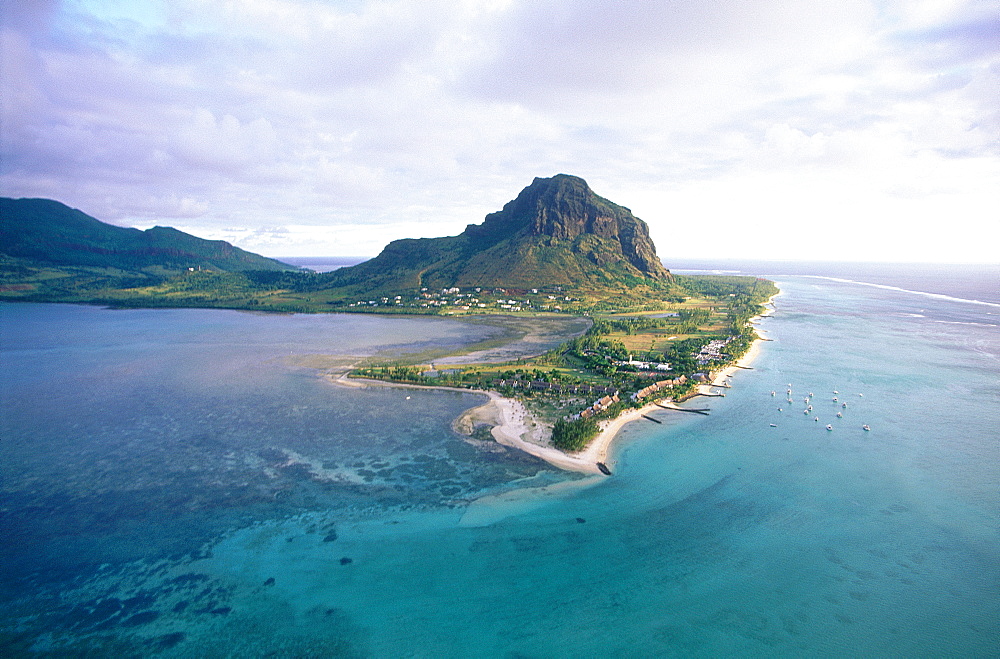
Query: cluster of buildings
[474, 299]
[713, 351]
[542, 385]
[657, 386]
[598, 406]
[645, 366]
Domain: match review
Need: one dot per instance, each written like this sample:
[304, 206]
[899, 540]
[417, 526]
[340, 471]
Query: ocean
[186, 483]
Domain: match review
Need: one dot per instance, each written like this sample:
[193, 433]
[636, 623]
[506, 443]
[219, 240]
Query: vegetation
[573, 435]
[600, 374]
[47, 232]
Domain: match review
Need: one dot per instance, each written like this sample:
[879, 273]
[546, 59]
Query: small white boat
[835, 391]
[774, 425]
[780, 410]
[772, 393]
[865, 427]
[835, 399]
[810, 408]
[811, 394]
[805, 411]
[816, 418]
[829, 427]
[861, 395]
[844, 406]
[839, 415]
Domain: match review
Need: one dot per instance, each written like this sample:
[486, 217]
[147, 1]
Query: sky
[814, 130]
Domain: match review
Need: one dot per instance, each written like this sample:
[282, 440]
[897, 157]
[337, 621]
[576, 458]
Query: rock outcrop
[557, 231]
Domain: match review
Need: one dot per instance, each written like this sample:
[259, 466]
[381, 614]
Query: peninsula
[557, 260]
[558, 248]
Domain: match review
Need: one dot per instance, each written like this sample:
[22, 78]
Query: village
[475, 300]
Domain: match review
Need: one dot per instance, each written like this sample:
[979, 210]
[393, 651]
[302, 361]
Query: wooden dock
[704, 411]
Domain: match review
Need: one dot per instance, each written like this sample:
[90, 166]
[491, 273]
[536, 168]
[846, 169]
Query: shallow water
[257, 509]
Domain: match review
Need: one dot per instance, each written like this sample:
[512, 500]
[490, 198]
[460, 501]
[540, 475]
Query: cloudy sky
[855, 129]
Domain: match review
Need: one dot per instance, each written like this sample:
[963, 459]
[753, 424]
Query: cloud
[350, 124]
[223, 143]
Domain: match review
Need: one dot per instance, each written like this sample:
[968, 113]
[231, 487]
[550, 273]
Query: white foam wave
[958, 322]
[936, 296]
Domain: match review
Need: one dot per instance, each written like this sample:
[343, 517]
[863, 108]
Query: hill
[557, 232]
[49, 233]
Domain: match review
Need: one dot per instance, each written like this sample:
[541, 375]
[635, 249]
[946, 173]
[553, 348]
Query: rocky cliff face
[564, 208]
[556, 232]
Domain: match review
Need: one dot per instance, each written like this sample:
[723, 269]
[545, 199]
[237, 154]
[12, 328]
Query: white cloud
[350, 124]
[224, 143]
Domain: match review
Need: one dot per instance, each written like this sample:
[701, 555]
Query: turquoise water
[224, 501]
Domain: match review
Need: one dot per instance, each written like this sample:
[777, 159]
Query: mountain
[44, 231]
[556, 232]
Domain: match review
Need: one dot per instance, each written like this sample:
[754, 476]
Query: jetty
[651, 419]
[704, 411]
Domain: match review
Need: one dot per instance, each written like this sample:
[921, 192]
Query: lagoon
[185, 483]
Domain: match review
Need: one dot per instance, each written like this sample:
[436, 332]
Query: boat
[839, 415]
[772, 393]
[861, 395]
[844, 406]
[809, 409]
[604, 468]
[865, 427]
[805, 411]
[816, 418]
[835, 399]
[774, 425]
[836, 392]
[829, 427]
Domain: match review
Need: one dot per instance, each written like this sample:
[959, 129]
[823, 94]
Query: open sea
[186, 483]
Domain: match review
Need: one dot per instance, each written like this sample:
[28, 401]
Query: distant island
[557, 251]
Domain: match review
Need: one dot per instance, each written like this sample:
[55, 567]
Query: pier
[704, 411]
[651, 419]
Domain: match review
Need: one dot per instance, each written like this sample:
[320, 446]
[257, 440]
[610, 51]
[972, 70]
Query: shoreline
[515, 422]
[599, 447]
[514, 419]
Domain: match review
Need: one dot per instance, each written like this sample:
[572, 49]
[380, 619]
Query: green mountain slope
[556, 232]
[43, 231]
